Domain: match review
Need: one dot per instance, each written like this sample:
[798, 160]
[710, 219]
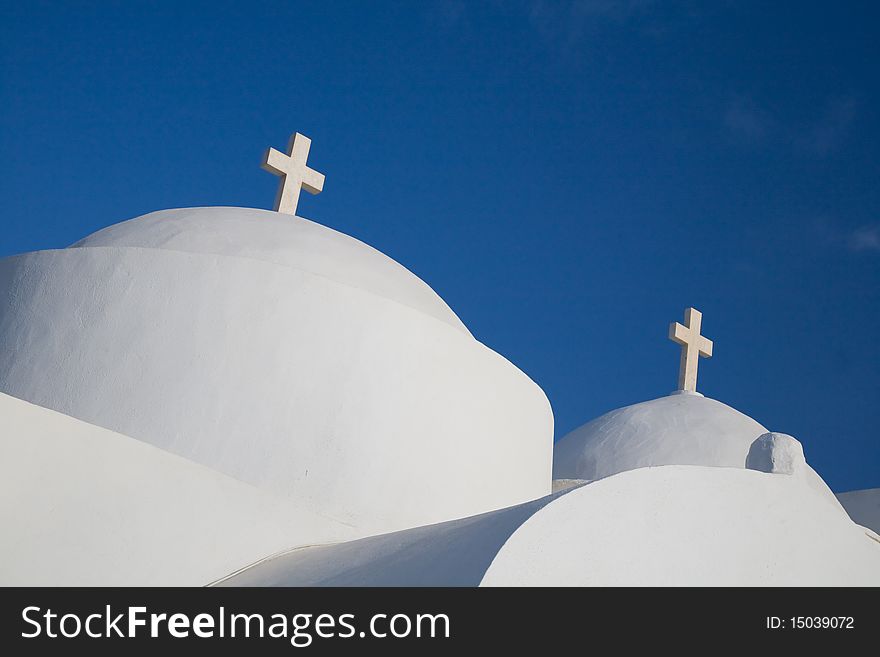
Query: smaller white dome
[681, 429]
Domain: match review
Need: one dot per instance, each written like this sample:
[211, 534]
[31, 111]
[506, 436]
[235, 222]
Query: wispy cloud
[613, 9]
[567, 22]
[866, 238]
[744, 118]
[747, 120]
[829, 131]
[448, 13]
[832, 233]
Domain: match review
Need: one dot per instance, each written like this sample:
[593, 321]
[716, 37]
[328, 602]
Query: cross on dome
[294, 172]
[693, 345]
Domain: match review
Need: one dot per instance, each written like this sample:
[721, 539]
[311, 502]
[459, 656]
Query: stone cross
[294, 173]
[693, 345]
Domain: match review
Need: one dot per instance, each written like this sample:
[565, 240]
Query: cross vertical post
[693, 345]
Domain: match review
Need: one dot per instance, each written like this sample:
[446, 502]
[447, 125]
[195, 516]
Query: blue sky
[569, 176]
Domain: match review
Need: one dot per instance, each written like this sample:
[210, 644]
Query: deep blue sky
[567, 175]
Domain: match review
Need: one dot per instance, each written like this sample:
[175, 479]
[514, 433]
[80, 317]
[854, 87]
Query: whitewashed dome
[680, 429]
[282, 353]
[278, 239]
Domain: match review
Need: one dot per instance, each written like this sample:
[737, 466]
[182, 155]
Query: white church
[242, 397]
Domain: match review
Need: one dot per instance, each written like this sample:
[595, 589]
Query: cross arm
[275, 161]
[679, 333]
[705, 347]
[313, 182]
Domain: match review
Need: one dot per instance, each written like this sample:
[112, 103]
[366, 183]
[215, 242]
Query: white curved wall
[863, 506]
[690, 526]
[672, 526]
[453, 553]
[357, 406]
[83, 506]
[681, 429]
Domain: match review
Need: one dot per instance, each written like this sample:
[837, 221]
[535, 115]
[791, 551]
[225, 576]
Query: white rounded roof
[667, 526]
[691, 526]
[279, 239]
[680, 429]
[84, 506]
[280, 353]
[863, 506]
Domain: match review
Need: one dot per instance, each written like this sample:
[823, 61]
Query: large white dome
[281, 353]
[680, 429]
[279, 239]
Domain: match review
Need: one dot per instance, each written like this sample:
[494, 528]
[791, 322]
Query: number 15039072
[810, 623]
